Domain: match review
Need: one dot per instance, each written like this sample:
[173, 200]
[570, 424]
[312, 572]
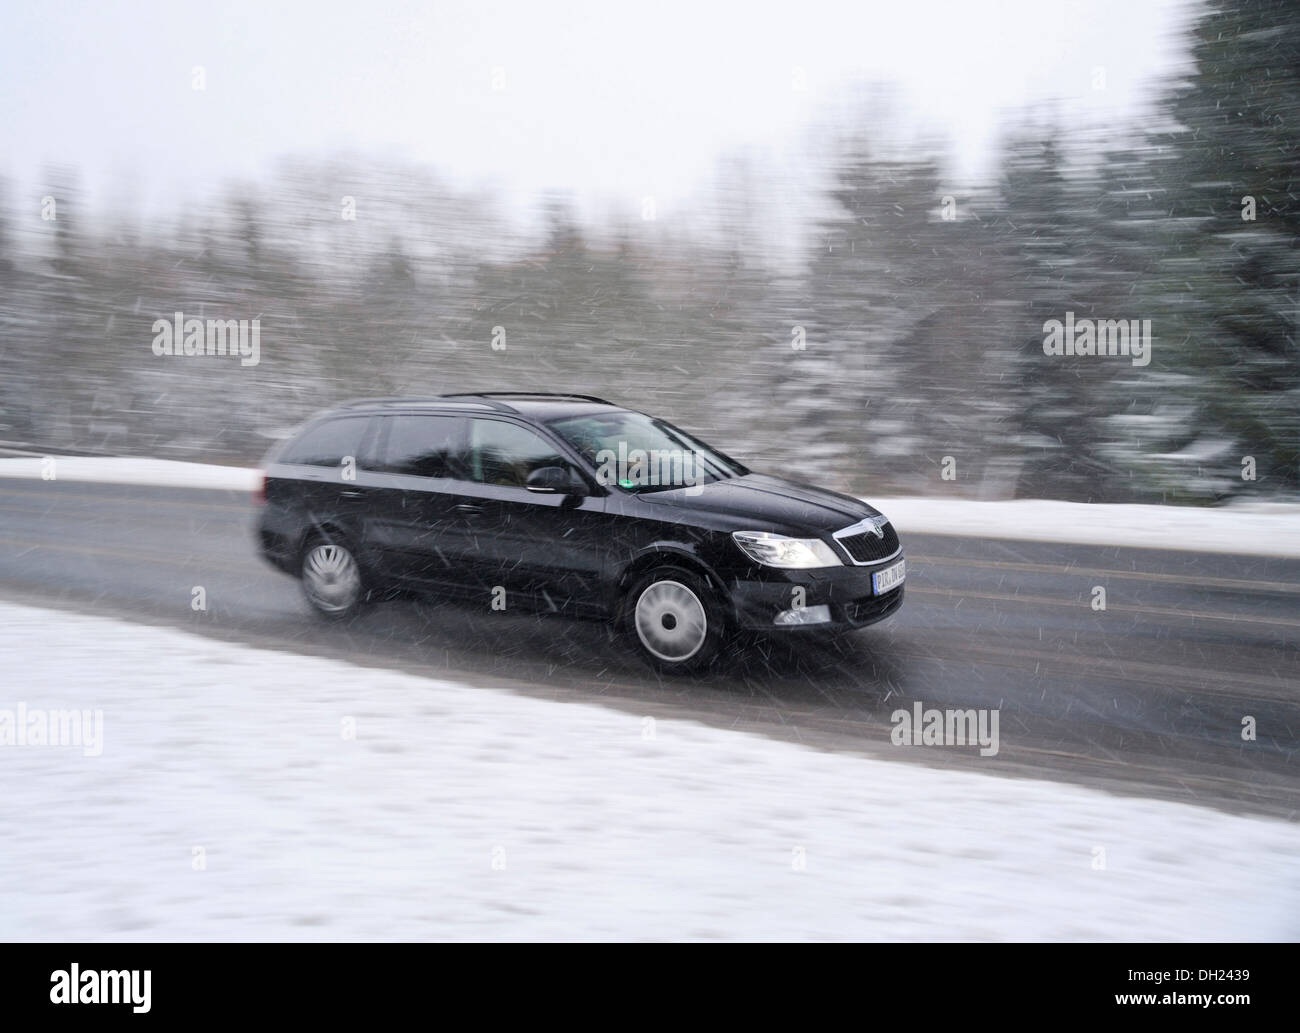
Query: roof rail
[527, 394]
[486, 403]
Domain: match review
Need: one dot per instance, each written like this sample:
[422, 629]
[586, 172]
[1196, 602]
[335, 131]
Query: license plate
[891, 577]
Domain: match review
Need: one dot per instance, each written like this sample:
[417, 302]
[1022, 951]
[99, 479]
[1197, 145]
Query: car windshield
[642, 454]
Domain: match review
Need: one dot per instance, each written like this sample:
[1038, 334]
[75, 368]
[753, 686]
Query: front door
[549, 548]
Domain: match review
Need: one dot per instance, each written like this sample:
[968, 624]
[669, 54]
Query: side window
[422, 446]
[505, 453]
[327, 443]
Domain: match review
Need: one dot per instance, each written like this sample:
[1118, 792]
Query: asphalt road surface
[1145, 697]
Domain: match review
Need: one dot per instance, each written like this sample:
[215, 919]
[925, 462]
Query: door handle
[468, 508]
[349, 494]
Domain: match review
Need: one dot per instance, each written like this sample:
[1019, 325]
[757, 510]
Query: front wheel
[675, 620]
[331, 579]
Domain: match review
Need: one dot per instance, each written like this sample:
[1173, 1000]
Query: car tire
[674, 620]
[331, 577]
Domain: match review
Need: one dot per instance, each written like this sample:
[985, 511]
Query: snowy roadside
[471, 813]
[156, 472]
[1262, 529]
[1249, 529]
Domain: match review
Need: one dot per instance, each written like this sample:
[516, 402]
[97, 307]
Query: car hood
[758, 501]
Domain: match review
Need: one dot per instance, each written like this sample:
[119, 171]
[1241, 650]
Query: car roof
[542, 406]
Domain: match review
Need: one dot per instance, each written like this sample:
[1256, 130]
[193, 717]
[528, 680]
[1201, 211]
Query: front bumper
[845, 591]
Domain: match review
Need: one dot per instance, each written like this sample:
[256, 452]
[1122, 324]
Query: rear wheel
[332, 579]
[675, 620]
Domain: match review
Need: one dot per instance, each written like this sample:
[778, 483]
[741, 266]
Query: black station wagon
[574, 505]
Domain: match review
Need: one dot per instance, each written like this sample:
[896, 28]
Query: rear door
[411, 519]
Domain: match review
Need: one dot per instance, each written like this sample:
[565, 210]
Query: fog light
[804, 615]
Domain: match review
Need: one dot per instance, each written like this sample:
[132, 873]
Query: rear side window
[422, 446]
[328, 443]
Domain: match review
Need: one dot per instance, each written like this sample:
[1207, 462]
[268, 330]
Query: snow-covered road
[231, 800]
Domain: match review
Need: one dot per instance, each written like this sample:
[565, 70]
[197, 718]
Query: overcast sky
[611, 100]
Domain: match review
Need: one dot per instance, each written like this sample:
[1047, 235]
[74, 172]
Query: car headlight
[776, 550]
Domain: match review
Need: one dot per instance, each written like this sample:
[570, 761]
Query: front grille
[867, 548]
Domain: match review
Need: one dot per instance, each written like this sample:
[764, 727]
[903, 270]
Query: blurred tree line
[903, 354]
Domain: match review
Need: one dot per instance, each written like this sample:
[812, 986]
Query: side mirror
[555, 480]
